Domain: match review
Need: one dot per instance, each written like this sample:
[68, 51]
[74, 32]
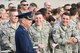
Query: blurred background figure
[24, 7]
[10, 5]
[61, 10]
[2, 6]
[44, 12]
[67, 8]
[51, 20]
[18, 7]
[73, 5]
[4, 16]
[74, 17]
[56, 15]
[47, 5]
[33, 8]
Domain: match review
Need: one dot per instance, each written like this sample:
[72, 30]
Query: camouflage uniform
[79, 43]
[40, 36]
[60, 35]
[74, 23]
[7, 36]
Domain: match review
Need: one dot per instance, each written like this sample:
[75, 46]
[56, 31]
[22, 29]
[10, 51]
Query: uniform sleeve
[50, 38]
[58, 37]
[33, 38]
[25, 43]
[6, 42]
[77, 34]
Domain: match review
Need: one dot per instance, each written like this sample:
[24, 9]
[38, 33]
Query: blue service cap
[27, 15]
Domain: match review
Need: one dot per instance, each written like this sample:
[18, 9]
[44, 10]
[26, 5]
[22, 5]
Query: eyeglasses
[24, 4]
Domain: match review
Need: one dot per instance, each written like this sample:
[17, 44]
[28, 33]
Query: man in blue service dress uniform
[22, 39]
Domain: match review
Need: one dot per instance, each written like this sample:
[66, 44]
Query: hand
[41, 45]
[54, 45]
[70, 40]
[75, 40]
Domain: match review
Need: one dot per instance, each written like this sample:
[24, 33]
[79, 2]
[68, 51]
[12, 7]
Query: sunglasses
[24, 4]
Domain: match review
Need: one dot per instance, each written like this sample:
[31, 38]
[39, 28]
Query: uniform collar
[25, 29]
[9, 25]
[36, 28]
[64, 27]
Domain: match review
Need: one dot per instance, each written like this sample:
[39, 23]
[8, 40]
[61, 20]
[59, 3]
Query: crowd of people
[27, 29]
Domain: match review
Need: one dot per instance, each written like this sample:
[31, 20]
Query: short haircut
[56, 11]
[19, 6]
[73, 5]
[37, 13]
[78, 5]
[66, 13]
[23, 1]
[66, 5]
[73, 11]
[43, 11]
[50, 18]
[12, 10]
[10, 4]
[2, 6]
[33, 4]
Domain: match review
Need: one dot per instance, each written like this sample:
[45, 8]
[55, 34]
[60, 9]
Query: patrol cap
[27, 15]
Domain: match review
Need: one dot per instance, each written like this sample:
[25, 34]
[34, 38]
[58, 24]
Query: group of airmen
[52, 30]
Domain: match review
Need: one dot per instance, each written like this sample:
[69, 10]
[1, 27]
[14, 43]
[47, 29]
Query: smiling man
[65, 36]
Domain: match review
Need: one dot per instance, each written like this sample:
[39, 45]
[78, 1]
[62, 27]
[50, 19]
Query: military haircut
[23, 1]
[2, 6]
[65, 13]
[37, 13]
[73, 5]
[10, 4]
[43, 11]
[78, 5]
[12, 10]
[73, 11]
[55, 11]
[66, 5]
[50, 18]
[33, 4]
